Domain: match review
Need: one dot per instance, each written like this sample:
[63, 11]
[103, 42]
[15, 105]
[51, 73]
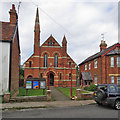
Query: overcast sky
[81, 22]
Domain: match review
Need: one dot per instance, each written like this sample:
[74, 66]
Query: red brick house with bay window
[50, 58]
[102, 67]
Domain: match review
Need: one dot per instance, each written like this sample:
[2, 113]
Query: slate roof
[114, 52]
[101, 53]
[7, 31]
[86, 76]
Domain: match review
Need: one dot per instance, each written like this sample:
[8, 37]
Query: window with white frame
[95, 77]
[112, 80]
[118, 80]
[89, 66]
[112, 61]
[118, 61]
[85, 66]
[95, 64]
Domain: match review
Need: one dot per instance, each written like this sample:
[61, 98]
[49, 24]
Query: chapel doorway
[51, 79]
[51, 74]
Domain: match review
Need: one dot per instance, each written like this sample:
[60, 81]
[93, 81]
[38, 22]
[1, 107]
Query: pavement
[24, 105]
[60, 101]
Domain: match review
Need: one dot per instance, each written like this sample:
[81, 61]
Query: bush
[86, 88]
[91, 87]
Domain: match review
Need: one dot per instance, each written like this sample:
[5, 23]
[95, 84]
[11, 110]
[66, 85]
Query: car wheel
[117, 105]
[99, 103]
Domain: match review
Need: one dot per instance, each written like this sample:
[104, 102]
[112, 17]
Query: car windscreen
[118, 88]
[112, 89]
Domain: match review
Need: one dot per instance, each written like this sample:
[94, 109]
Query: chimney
[13, 15]
[103, 45]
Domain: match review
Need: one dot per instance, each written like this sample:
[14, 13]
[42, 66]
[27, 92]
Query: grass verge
[19, 108]
[66, 91]
[31, 92]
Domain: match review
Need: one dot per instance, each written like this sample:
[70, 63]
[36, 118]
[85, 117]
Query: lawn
[32, 92]
[66, 91]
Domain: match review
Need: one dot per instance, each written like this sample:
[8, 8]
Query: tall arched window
[45, 60]
[56, 60]
[30, 63]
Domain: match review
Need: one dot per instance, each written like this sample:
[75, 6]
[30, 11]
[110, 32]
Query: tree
[21, 73]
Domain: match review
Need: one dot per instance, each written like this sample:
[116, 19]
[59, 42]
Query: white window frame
[95, 64]
[112, 79]
[118, 80]
[112, 61]
[96, 79]
[85, 66]
[118, 61]
[89, 66]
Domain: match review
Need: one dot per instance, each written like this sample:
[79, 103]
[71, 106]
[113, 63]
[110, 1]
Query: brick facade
[104, 70]
[50, 58]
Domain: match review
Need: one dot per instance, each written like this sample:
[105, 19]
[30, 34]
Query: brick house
[10, 55]
[50, 59]
[102, 67]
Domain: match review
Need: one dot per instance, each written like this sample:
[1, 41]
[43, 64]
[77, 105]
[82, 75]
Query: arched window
[56, 60]
[70, 64]
[69, 76]
[60, 76]
[45, 60]
[30, 76]
[50, 42]
[53, 43]
[30, 63]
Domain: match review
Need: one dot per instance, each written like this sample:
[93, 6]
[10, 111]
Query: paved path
[57, 95]
[48, 104]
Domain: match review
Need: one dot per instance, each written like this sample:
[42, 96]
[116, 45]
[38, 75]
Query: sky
[81, 21]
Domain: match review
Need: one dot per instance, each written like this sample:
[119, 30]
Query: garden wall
[28, 98]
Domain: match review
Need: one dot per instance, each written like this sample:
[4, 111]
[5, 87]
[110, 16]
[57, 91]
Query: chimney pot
[13, 6]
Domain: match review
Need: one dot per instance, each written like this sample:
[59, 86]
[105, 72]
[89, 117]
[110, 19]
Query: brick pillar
[48, 95]
[78, 93]
[6, 97]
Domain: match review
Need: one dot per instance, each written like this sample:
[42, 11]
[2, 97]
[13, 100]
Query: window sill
[112, 66]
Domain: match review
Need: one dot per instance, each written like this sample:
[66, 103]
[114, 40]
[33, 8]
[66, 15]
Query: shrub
[91, 87]
[86, 88]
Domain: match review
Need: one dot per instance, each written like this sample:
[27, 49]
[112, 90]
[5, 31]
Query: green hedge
[90, 88]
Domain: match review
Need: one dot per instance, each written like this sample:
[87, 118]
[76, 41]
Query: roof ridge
[98, 54]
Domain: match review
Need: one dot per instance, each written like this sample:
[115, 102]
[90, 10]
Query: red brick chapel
[50, 59]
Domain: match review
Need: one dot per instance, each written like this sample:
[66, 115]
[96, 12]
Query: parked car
[107, 94]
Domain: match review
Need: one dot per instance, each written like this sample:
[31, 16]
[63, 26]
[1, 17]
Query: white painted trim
[51, 46]
[72, 74]
[50, 67]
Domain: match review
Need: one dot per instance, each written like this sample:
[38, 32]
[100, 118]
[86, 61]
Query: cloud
[81, 22]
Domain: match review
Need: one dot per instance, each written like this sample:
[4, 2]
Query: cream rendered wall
[4, 66]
